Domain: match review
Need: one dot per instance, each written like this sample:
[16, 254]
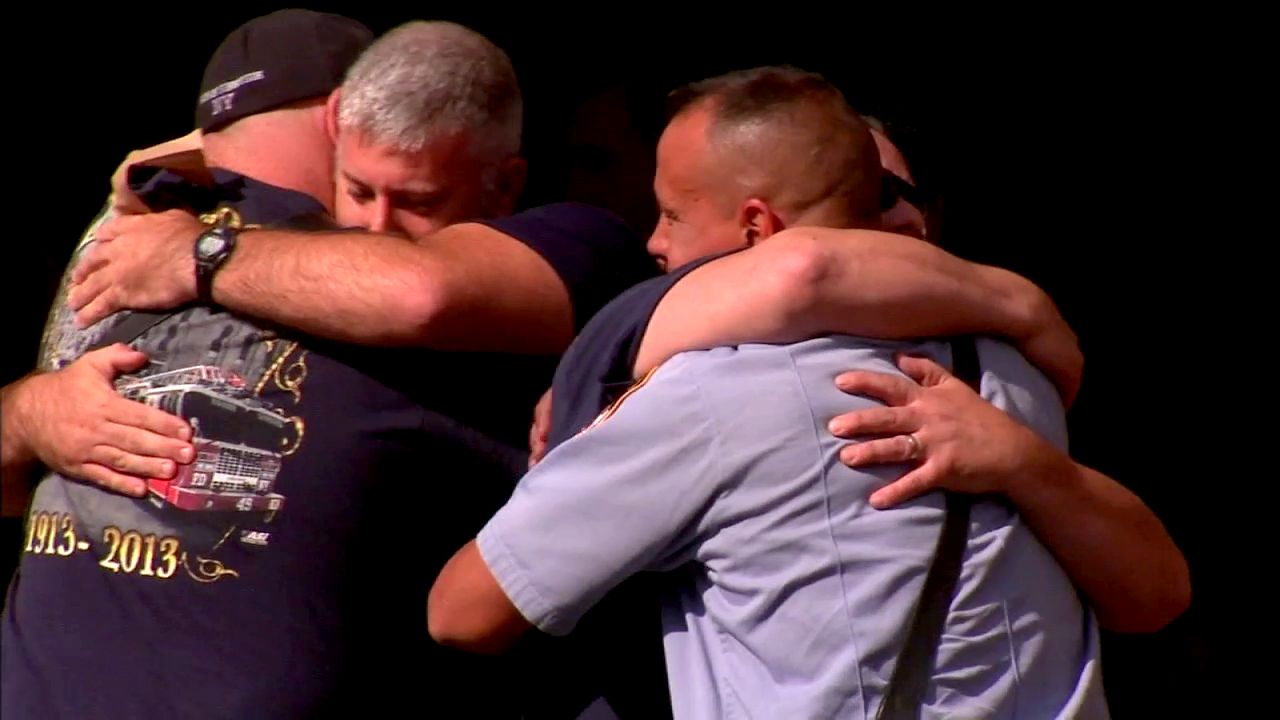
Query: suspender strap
[911, 675]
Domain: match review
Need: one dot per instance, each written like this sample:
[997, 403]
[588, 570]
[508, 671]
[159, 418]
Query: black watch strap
[212, 248]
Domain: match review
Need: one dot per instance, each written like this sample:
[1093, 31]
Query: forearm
[468, 287]
[811, 281]
[17, 456]
[359, 288]
[891, 286]
[1109, 542]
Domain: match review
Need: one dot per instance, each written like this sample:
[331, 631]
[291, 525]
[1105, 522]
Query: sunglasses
[893, 187]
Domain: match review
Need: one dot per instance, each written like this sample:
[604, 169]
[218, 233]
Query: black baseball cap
[275, 59]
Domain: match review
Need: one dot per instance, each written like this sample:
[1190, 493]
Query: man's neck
[832, 213]
[280, 159]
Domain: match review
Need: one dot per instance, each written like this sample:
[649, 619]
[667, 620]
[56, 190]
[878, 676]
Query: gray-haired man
[264, 573]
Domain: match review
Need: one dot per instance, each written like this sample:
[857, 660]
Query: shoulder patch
[613, 406]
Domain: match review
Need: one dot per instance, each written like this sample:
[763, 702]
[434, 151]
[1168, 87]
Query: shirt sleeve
[623, 496]
[594, 252]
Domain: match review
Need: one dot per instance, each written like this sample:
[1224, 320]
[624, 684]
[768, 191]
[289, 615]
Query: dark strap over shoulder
[139, 321]
[911, 675]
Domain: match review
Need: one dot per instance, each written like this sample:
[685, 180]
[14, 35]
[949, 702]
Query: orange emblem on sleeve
[613, 407]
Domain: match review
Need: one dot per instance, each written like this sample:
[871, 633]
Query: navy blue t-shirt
[284, 573]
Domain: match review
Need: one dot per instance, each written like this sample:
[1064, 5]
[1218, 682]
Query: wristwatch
[213, 247]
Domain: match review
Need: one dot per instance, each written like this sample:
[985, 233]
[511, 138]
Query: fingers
[889, 389]
[152, 447]
[536, 453]
[92, 308]
[121, 462]
[112, 480]
[89, 284]
[874, 421]
[923, 370]
[537, 443]
[541, 428]
[913, 484]
[114, 228]
[896, 449]
[93, 260]
[116, 359]
[136, 415]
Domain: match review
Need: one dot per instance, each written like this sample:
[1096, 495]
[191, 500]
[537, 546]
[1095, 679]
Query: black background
[1070, 149]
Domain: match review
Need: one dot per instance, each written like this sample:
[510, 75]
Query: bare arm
[1112, 546]
[74, 422]
[467, 608]
[17, 458]
[1107, 539]
[467, 287]
[804, 282]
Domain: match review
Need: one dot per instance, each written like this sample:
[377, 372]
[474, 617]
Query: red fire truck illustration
[237, 439]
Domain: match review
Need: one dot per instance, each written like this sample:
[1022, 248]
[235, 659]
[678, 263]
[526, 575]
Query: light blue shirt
[793, 594]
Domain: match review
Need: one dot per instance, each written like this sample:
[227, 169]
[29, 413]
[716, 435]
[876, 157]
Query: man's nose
[381, 216]
[658, 243]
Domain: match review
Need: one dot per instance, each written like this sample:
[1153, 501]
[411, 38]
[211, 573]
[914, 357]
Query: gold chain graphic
[207, 569]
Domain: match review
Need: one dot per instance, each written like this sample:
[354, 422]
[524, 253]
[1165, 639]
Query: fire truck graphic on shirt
[237, 438]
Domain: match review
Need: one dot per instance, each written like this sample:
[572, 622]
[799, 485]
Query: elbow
[444, 627]
[447, 626]
[1172, 599]
[1162, 606]
[421, 307]
[1179, 602]
[450, 624]
[797, 269]
[459, 636]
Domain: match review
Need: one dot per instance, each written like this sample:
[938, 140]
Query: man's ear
[331, 115]
[758, 221]
[512, 174]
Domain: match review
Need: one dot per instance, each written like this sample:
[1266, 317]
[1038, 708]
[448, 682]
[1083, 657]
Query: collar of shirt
[257, 201]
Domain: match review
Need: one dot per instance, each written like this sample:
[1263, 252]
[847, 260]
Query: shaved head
[788, 137]
[750, 153]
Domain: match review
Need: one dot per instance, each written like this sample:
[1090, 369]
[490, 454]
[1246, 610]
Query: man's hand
[77, 424]
[540, 429]
[1112, 546]
[140, 262]
[961, 441]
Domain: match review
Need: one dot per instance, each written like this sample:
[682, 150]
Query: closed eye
[357, 190]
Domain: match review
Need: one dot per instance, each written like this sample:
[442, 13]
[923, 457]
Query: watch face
[210, 244]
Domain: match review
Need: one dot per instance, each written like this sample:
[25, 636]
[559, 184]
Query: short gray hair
[424, 79]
